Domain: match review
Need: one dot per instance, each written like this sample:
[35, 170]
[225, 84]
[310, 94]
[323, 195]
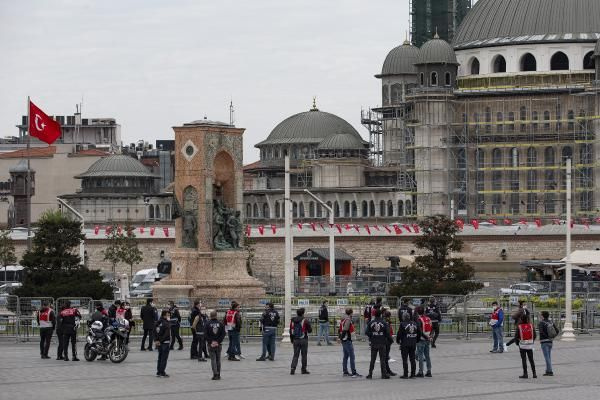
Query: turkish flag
[261, 229]
[166, 231]
[397, 229]
[141, 229]
[507, 221]
[368, 229]
[42, 126]
[460, 223]
[274, 229]
[475, 223]
[538, 222]
[96, 229]
[416, 228]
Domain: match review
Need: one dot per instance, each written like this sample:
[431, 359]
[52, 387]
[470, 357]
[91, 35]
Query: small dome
[400, 61]
[117, 166]
[20, 167]
[308, 127]
[597, 48]
[342, 141]
[436, 51]
[206, 121]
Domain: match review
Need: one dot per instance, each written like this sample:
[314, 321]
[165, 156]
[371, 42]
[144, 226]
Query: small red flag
[141, 229]
[339, 227]
[475, 223]
[407, 228]
[376, 227]
[538, 222]
[96, 229]
[322, 227]
[523, 221]
[313, 226]
[397, 229]
[368, 229]
[152, 231]
[460, 223]
[119, 230]
[166, 231]
[572, 223]
[387, 228]
[347, 227]
[261, 229]
[357, 228]
[248, 230]
[416, 228]
[507, 221]
[300, 226]
[42, 126]
[274, 229]
[493, 221]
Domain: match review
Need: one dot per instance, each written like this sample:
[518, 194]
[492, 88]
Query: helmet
[97, 325]
[125, 323]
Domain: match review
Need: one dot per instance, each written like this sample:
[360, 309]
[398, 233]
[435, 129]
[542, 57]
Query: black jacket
[69, 319]
[323, 314]
[404, 308]
[175, 316]
[433, 312]
[270, 318]
[214, 331]
[112, 312]
[148, 316]
[193, 313]
[378, 332]
[101, 316]
[409, 334]
[543, 328]
[163, 331]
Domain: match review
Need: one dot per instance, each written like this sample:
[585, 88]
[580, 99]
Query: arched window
[277, 210]
[514, 157]
[255, 210]
[168, 215]
[547, 120]
[422, 79]
[390, 208]
[364, 207]
[531, 156]
[511, 120]
[396, 93]
[266, 211]
[311, 209]
[475, 66]
[488, 119]
[346, 209]
[567, 152]
[499, 64]
[523, 118]
[301, 213]
[157, 212]
[500, 119]
[535, 117]
[496, 157]
[319, 210]
[400, 208]
[549, 156]
[528, 62]
[353, 209]
[408, 208]
[336, 209]
[559, 62]
[385, 95]
[371, 208]
[151, 211]
[448, 79]
[434, 78]
[589, 61]
[382, 208]
[294, 209]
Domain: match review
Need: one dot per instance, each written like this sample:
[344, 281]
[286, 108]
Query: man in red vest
[425, 326]
[46, 321]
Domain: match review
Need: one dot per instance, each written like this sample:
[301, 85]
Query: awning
[584, 257]
[320, 254]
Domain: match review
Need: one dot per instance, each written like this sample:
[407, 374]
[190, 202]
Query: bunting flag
[166, 231]
[556, 222]
[586, 222]
[597, 220]
[387, 228]
[274, 229]
[475, 223]
[572, 223]
[397, 229]
[248, 230]
[368, 229]
[313, 226]
[108, 230]
[339, 228]
[152, 229]
[460, 223]
[416, 228]
[507, 221]
[322, 227]
[347, 226]
[300, 226]
[523, 221]
[261, 229]
[493, 221]
[96, 229]
[407, 228]
[119, 229]
[538, 222]
[357, 228]
[376, 227]
[141, 229]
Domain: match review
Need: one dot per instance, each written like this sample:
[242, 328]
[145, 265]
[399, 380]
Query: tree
[7, 251]
[437, 272]
[53, 268]
[129, 252]
[112, 251]
[249, 248]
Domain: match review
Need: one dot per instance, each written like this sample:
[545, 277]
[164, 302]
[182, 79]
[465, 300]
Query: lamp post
[288, 276]
[332, 290]
[63, 203]
[568, 334]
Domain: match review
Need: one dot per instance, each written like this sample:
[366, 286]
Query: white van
[141, 276]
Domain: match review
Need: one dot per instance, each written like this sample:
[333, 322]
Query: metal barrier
[85, 305]
[27, 311]
[9, 321]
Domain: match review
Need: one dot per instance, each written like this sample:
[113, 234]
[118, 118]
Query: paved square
[461, 370]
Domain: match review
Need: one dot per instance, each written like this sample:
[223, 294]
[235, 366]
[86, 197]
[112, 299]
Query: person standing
[378, 332]
[408, 336]
[345, 331]
[148, 317]
[175, 323]
[233, 326]
[198, 329]
[368, 313]
[163, 342]
[268, 322]
[299, 330]
[194, 312]
[46, 321]
[404, 308]
[215, 333]
[524, 338]
[435, 315]
[129, 318]
[101, 315]
[424, 324]
[496, 322]
[387, 317]
[112, 310]
[70, 322]
[324, 324]
[59, 334]
[548, 331]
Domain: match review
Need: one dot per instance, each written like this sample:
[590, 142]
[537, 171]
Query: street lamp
[331, 243]
[568, 334]
[62, 203]
[288, 265]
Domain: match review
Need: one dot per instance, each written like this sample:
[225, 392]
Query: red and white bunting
[368, 229]
[152, 229]
[166, 231]
[261, 229]
[274, 229]
[339, 228]
[248, 230]
[387, 228]
[397, 229]
[538, 222]
[475, 223]
[460, 223]
[141, 230]
[407, 228]
[507, 221]
[313, 226]
[96, 229]
[357, 228]
[416, 228]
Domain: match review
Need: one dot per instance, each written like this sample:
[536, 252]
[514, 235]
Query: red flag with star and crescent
[42, 126]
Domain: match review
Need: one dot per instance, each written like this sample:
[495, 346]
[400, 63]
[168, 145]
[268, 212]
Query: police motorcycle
[109, 341]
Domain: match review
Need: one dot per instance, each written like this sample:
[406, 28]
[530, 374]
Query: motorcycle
[109, 341]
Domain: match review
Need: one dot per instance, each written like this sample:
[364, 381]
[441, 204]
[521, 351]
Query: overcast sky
[154, 64]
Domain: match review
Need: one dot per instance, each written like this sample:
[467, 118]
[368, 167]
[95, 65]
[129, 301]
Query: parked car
[521, 288]
[144, 289]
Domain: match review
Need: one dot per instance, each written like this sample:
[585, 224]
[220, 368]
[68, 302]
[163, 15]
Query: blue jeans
[268, 341]
[423, 355]
[234, 348]
[497, 335]
[348, 348]
[163, 356]
[547, 350]
[324, 331]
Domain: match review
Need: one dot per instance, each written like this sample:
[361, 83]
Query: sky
[154, 64]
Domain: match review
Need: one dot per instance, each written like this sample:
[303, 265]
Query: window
[346, 209]
[496, 203]
[589, 61]
[535, 117]
[531, 203]
[499, 119]
[586, 153]
[400, 208]
[531, 180]
[499, 64]
[567, 152]
[549, 156]
[385, 95]
[390, 208]
[480, 204]
[523, 118]
[396, 93]
[371, 208]
[531, 156]
[255, 210]
[434, 78]
[319, 210]
[511, 120]
[514, 155]
[294, 209]
[336, 209]
[277, 210]
[528, 62]
[301, 213]
[559, 62]
[382, 208]
[422, 79]
[354, 209]
[167, 212]
[157, 212]
[265, 210]
[488, 119]
[311, 209]
[549, 207]
[448, 79]
[408, 208]
[475, 67]
[496, 157]
[547, 120]
[571, 118]
[364, 208]
[151, 211]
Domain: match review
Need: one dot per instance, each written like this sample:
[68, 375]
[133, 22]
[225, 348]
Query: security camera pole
[332, 290]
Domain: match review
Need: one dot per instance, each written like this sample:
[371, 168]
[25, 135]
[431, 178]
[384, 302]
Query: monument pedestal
[209, 275]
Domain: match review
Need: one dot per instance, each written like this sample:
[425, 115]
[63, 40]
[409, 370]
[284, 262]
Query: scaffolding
[430, 16]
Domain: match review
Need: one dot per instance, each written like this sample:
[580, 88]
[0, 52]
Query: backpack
[526, 336]
[298, 329]
[551, 330]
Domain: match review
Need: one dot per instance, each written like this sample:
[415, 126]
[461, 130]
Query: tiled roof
[34, 152]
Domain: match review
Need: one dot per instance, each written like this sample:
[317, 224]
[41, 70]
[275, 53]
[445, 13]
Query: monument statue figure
[190, 218]
[227, 227]
[234, 226]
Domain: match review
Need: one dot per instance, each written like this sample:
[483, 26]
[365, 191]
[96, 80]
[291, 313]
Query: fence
[462, 316]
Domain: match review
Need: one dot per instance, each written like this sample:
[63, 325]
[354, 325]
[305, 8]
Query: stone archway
[224, 179]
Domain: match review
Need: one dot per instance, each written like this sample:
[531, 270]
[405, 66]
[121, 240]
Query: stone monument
[208, 260]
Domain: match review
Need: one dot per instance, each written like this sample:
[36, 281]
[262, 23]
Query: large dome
[504, 22]
[308, 127]
[400, 61]
[436, 51]
[117, 166]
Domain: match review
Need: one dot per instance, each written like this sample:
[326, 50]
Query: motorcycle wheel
[118, 350]
[88, 353]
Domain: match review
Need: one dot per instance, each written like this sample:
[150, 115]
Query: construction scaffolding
[430, 16]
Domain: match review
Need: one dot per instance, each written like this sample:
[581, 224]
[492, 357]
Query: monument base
[209, 275]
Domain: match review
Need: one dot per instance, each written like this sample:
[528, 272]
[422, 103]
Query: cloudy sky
[154, 64]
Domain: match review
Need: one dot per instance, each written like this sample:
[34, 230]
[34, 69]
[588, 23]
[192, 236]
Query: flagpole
[28, 188]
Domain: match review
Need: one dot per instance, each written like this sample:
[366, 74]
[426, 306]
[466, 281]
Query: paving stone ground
[461, 370]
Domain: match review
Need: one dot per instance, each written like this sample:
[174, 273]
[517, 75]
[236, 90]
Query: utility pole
[288, 266]
[568, 335]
